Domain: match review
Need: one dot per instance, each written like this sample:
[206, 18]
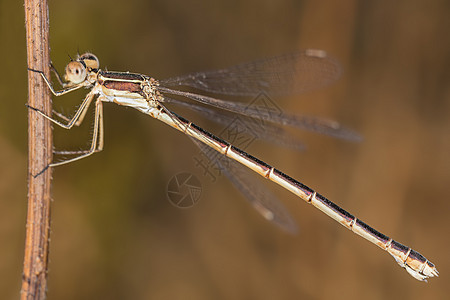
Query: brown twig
[34, 280]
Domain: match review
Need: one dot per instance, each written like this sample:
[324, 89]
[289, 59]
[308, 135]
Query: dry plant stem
[34, 278]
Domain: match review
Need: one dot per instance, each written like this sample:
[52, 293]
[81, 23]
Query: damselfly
[286, 74]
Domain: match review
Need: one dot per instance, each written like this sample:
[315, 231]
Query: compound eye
[75, 72]
[90, 60]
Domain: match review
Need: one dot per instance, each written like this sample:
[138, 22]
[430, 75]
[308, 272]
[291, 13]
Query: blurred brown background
[115, 235]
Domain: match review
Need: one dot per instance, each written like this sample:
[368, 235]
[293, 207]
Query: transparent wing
[264, 131]
[280, 75]
[254, 191]
[322, 126]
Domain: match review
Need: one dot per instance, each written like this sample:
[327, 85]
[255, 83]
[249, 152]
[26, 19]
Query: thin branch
[34, 279]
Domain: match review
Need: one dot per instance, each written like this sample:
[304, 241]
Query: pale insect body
[145, 94]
